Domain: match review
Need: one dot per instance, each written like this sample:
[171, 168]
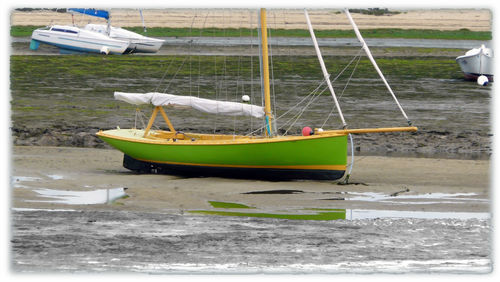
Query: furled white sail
[200, 104]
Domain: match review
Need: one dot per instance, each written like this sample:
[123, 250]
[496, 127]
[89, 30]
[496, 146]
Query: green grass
[22, 30]
[461, 34]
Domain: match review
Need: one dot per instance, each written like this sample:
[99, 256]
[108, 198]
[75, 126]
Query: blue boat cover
[92, 12]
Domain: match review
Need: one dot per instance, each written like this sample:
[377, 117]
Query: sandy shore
[443, 19]
[86, 169]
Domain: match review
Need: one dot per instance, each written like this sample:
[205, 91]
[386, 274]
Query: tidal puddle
[333, 215]
[55, 176]
[306, 214]
[17, 181]
[101, 196]
[373, 214]
[336, 214]
[25, 178]
[454, 198]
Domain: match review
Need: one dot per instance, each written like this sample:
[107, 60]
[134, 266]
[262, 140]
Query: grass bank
[462, 34]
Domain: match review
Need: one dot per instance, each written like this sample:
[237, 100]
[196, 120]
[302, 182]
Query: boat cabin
[65, 29]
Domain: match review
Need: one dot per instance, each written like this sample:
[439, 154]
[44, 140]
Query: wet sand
[86, 169]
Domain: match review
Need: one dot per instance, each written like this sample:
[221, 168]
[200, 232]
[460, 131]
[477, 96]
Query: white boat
[137, 43]
[75, 39]
[477, 62]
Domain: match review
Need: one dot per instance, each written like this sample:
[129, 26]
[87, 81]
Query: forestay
[200, 104]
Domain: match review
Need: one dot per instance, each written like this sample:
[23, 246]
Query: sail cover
[200, 104]
[92, 12]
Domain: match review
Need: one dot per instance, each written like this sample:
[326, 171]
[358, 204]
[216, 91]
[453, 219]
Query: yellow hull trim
[138, 138]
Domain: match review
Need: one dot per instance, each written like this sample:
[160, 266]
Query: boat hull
[230, 172]
[144, 46]
[476, 64]
[137, 42]
[299, 157]
[79, 42]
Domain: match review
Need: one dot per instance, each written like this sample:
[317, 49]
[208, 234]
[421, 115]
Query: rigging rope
[292, 108]
[175, 75]
[313, 93]
[238, 76]
[314, 97]
[219, 84]
[183, 62]
[191, 52]
[297, 116]
[303, 99]
[164, 74]
[139, 116]
[252, 95]
[273, 93]
[347, 83]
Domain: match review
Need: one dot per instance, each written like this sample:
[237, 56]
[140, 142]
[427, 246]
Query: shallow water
[99, 196]
[99, 241]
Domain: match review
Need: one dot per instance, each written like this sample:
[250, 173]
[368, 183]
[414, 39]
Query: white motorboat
[137, 43]
[477, 62]
[75, 39]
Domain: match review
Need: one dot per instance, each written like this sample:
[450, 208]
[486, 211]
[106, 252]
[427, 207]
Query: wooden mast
[265, 72]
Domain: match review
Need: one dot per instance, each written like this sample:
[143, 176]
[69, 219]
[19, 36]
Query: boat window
[64, 30]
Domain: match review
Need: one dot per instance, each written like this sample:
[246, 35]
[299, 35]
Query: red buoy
[306, 131]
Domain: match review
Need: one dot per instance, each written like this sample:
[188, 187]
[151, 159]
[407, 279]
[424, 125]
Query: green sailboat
[318, 154]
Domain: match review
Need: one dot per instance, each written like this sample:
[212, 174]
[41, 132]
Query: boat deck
[168, 137]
